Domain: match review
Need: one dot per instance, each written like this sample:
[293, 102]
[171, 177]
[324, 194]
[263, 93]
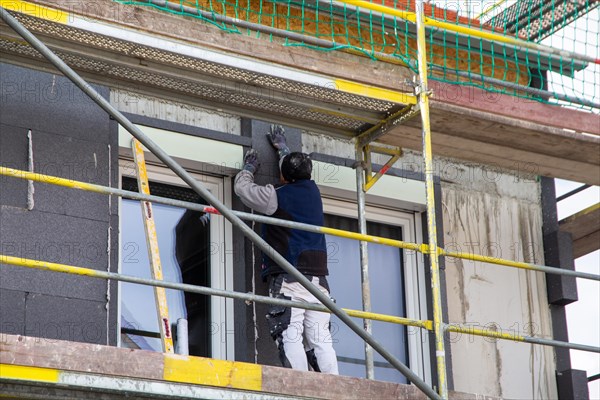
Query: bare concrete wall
[166, 110]
[340, 147]
[499, 217]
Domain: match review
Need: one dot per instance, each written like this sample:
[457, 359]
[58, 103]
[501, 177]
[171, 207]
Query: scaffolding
[506, 54]
[364, 181]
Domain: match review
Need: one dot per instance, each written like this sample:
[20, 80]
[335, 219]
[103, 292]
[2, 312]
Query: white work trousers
[307, 330]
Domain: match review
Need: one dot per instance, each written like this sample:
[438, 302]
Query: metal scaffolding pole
[467, 31]
[423, 93]
[425, 324]
[364, 257]
[473, 331]
[422, 248]
[208, 291]
[206, 194]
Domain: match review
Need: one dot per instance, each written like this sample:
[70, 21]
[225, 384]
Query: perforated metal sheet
[217, 91]
[538, 19]
[218, 95]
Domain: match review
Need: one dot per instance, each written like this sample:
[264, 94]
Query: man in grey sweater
[302, 336]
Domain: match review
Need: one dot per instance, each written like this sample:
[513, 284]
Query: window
[396, 279]
[191, 251]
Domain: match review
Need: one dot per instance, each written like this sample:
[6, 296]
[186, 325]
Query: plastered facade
[490, 211]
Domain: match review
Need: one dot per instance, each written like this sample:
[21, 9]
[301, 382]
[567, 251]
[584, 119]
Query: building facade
[50, 127]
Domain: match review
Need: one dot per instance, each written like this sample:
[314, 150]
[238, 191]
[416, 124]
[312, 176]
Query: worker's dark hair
[296, 166]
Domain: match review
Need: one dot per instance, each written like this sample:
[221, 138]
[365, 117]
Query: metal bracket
[397, 118]
[364, 140]
[417, 86]
[367, 150]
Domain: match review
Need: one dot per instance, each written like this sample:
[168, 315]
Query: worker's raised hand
[251, 162]
[277, 136]
[277, 139]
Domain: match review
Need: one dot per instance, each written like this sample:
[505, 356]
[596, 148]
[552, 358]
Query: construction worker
[302, 336]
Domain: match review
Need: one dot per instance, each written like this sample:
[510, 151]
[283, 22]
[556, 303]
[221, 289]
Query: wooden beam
[584, 227]
[333, 387]
[526, 165]
[117, 362]
[519, 109]
[72, 356]
[516, 133]
[100, 361]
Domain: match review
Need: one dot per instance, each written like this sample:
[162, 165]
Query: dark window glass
[387, 297]
[184, 246]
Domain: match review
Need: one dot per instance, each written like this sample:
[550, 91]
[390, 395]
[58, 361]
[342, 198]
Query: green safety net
[468, 47]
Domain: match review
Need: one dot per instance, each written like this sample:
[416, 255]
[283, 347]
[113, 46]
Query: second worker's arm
[259, 198]
[278, 141]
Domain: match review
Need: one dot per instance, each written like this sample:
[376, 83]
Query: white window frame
[414, 273]
[222, 311]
